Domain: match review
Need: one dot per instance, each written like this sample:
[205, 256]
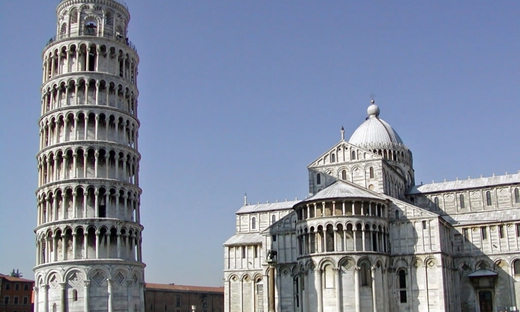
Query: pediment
[342, 153]
[409, 211]
[284, 224]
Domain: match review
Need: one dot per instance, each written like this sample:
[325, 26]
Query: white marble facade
[368, 239]
[88, 234]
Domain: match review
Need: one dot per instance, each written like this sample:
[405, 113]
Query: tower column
[74, 245]
[36, 298]
[356, 289]
[374, 293]
[63, 297]
[45, 298]
[87, 295]
[319, 290]
[337, 282]
[110, 295]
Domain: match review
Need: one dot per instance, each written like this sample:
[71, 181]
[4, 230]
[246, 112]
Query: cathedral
[367, 238]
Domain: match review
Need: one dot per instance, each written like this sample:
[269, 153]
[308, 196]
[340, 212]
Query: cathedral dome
[375, 131]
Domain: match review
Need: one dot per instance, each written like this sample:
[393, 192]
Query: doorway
[485, 301]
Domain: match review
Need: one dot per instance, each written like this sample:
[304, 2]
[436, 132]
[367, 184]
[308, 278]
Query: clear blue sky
[240, 96]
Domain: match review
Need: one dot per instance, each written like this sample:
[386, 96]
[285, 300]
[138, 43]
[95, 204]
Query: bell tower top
[100, 18]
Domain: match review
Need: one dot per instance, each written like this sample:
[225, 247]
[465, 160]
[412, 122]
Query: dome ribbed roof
[375, 131]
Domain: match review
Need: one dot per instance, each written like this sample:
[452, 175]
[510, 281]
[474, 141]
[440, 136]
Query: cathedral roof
[342, 189]
[244, 239]
[375, 131]
[268, 206]
[466, 184]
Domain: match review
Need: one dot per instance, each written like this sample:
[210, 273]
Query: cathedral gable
[342, 152]
[403, 210]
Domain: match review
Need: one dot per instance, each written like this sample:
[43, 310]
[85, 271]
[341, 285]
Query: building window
[332, 158]
[178, 301]
[461, 201]
[25, 300]
[256, 251]
[74, 295]
[6, 300]
[488, 198]
[318, 179]
[344, 174]
[243, 252]
[397, 214]
[517, 196]
[15, 300]
[274, 238]
[501, 231]
[26, 287]
[253, 223]
[465, 233]
[16, 286]
[7, 286]
[483, 232]
[436, 202]
[516, 267]
[353, 155]
[402, 286]
[371, 171]
[273, 219]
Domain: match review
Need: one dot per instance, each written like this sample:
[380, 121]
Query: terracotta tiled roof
[15, 279]
[184, 288]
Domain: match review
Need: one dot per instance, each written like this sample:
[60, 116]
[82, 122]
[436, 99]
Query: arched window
[488, 198]
[436, 202]
[371, 172]
[328, 276]
[332, 158]
[517, 196]
[402, 286]
[109, 20]
[364, 274]
[74, 16]
[253, 223]
[353, 155]
[318, 179]
[74, 295]
[63, 30]
[330, 238]
[259, 292]
[461, 201]
[91, 28]
[516, 267]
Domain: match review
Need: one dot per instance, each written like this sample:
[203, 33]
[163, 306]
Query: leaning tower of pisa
[88, 234]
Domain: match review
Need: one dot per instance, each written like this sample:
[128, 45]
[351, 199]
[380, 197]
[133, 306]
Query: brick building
[16, 294]
[180, 298]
